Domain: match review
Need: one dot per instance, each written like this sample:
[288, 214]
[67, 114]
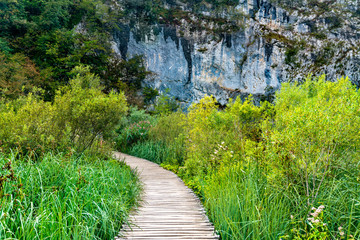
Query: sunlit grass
[66, 198]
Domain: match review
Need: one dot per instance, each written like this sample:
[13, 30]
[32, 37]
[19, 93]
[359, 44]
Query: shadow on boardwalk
[169, 209]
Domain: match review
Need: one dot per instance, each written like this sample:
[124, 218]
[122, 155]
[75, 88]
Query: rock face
[271, 45]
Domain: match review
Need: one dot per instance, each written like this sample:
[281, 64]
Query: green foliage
[317, 228]
[133, 128]
[260, 168]
[80, 115]
[151, 150]
[315, 123]
[242, 206]
[18, 75]
[233, 129]
[128, 76]
[165, 104]
[136, 132]
[4, 46]
[149, 94]
[87, 111]
[290, 55]
[164, 141]
[45, 31]
[131, 72]
[64, 197]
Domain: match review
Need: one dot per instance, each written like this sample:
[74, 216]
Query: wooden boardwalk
[169, 210]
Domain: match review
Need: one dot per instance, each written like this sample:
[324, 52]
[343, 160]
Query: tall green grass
[63, 197]
[158, 152]
[243, 205]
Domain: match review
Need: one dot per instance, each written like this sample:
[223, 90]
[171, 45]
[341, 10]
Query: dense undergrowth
[57, 177]
[288, 170]
[64, 197]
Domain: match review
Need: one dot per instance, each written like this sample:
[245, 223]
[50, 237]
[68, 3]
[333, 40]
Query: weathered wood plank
[169, 209]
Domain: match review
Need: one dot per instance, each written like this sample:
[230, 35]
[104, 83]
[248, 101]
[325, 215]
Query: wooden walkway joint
[169, 209]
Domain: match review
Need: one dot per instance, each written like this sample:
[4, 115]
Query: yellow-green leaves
[80, 114]
[314, 123]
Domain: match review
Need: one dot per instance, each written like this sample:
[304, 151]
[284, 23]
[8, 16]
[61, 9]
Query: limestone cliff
[249, 48]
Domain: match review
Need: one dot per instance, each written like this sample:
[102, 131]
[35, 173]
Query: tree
[18, 75]
[83, 108]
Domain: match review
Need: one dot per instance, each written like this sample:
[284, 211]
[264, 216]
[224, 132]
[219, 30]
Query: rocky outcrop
[269, 45]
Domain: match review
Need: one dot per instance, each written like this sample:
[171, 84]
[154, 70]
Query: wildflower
[311, 219]
[317, 221]
[292, 217]
[342, 233]
[313, 208]
[340, 228]
[324, 224]
[321, 207]
[315, 214]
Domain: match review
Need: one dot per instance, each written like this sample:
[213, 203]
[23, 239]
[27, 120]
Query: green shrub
[86, 110]
[133, 128]
[165, 104]
[232, 131]
[315, 124]
[80, 115]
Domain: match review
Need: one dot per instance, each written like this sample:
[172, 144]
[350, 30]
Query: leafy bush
[165, 104]
[18, 75]
[315, 124]
[87, 111]
[79, 116]
[133, 128]
[237, 128]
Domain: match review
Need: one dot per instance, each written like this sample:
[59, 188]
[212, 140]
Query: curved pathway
[169, 210]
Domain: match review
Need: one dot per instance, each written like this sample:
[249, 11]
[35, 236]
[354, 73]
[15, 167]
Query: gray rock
[254, 60]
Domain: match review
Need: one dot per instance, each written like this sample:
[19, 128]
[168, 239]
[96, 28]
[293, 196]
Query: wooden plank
[169, 209]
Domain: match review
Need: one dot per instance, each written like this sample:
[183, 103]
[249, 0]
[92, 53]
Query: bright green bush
[27, 126]
[64, 197]
[86, 110]
[80, 115]
[315, 124]
[230, 132]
